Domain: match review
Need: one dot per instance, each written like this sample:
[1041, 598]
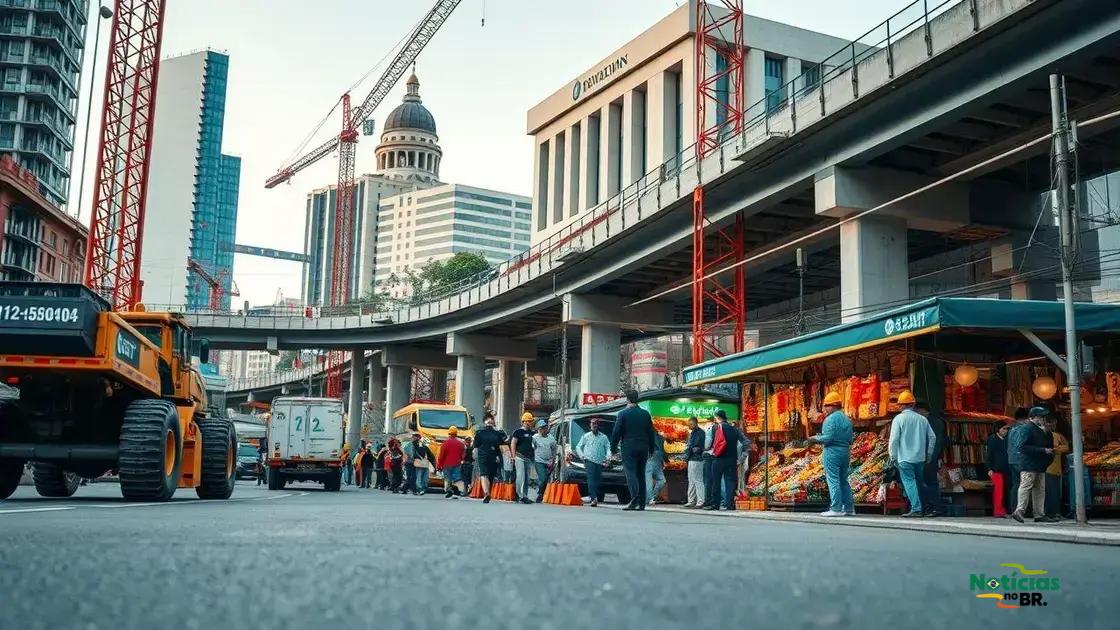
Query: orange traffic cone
[569, 494]
[476, 490]
[550, 493]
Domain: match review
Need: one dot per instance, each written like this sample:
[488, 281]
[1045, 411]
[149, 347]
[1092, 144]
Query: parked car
[248, 461]
[568, 433]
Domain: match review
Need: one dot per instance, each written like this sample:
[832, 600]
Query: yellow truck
[85, 390]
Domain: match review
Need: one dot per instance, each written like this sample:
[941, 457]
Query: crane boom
[417, 40]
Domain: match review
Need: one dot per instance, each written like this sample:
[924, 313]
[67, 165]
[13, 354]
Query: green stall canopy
[916, 319]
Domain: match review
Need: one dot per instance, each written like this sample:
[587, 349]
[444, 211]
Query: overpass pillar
[874, 268]
[470, 387]
[357, 382]
[398, 388]
[600, 358]
[376, 396]
[439, 385]
[510, 393]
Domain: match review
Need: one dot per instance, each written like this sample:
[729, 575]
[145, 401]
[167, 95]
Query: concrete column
[540, 189]
[439, 384]
[357, 383]
[874, 272]
[572, 142]
[469, 386]
[600, 358]
[509, 393]
[633, 136]
[661, 119]
[610, 124]
[589, 163]
[688, 101]
[376, 387]
[397, 391]
[556, 178]
[754, 81]
[793, 71]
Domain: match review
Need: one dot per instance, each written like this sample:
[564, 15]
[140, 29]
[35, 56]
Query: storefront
[974, 361]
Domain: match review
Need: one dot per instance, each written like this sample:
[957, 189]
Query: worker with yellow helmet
[836, 437]
[910, 446]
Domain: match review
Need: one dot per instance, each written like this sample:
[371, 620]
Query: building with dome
[405, 215]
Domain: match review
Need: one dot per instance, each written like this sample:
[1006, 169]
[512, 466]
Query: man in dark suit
[633, 428]
[725, 458]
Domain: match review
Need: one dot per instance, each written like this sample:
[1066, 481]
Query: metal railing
[900, 43]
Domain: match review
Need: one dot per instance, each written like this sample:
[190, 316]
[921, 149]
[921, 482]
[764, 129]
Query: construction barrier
[563, 494]
[476, 490]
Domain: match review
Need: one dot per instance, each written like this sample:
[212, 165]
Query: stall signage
[590, 399]
[703, 410]
[909, 322]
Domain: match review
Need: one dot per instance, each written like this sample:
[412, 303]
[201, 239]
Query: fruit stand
[968, 358]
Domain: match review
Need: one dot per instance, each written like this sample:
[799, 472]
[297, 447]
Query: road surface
[304, 558]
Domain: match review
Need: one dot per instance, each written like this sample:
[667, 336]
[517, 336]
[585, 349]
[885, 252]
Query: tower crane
[346, 145]
[216, 282]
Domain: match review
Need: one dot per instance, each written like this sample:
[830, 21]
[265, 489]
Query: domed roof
[411, 114]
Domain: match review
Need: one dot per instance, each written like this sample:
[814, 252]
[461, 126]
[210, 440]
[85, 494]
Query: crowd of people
[1024, 461]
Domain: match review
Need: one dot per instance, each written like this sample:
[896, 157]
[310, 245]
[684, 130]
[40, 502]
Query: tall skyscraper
[41, 46]
[192, 186]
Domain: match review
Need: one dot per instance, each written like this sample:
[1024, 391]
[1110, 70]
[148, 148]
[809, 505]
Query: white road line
[42, 509]
[281, 496]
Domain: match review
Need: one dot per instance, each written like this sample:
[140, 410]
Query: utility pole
[1066, 224]
[800, 291]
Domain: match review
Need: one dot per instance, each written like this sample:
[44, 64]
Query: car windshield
[246, 450]
[583, 425]
[443, 418]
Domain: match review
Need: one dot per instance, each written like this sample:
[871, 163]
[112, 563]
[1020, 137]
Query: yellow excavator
[85, 390]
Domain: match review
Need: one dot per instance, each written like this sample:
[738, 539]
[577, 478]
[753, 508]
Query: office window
[773, 82]
[810, 75]
[723, 95]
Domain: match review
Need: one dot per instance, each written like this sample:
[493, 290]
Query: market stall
[974, 361]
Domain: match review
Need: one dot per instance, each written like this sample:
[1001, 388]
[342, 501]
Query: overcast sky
[290, 60]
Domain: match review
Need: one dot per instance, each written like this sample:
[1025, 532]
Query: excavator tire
[219, 459]
[151, 449]
[51, 480]
[10, 473]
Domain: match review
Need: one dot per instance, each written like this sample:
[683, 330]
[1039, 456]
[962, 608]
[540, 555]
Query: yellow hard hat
[453, 430]
[526, 417]
[906, 398]
[832, 398]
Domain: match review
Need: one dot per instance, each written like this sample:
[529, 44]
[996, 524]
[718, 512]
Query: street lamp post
[103, 14]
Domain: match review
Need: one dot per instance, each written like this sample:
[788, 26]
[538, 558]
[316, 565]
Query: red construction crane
[215, 282]
[346, 144]
[128, 113]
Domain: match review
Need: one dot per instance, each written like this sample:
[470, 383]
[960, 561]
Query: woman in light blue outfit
[836, 437]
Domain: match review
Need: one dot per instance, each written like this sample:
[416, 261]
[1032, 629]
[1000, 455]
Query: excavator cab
[88, 390]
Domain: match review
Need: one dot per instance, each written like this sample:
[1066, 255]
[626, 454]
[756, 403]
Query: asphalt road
[304, 558]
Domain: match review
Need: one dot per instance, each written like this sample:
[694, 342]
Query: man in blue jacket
[1036, 449]
[725, 458]
[633, 430]
[836, 437]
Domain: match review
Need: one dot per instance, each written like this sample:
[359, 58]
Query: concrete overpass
[945, 93]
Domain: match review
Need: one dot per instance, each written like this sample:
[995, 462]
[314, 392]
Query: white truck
[305, 438]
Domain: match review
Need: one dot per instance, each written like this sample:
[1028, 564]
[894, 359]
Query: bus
[432, 420]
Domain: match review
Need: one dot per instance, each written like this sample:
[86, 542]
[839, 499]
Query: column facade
[754, 81]
[874, 272]
[398, 390]
[556, 179]
[376, 393]
[589, 163]
[633, 136]
[469, 385]
[510, 393]
[792, 76]
[572, 171]
[357, 383]
[541, 165]
[610, 152]
[600, 357]
[661, 117]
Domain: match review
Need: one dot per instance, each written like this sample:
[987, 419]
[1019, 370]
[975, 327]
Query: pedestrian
[544, 454]
[1035, 455]
[594, 448]
[694, 453]
[417, 457]
[655, 468]
[999, 471]
[450, 461]
[836, 456]
[506, 459]
[488, 444]
[633, 431]
[344, 463]
[384, 468]
[726, 440]
[911, 445]
[396, 466]
[1015, 436]
[367, 466]
[1054, 470]
[358, 463]
[521, 445]
[466, 469]
[931, 486]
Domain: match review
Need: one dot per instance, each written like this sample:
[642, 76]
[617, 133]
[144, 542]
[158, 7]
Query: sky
[291, 60]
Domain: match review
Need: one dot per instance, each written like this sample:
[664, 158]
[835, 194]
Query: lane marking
[281, 496]
[42, 509]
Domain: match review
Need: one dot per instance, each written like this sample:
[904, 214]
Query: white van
[305, 442]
